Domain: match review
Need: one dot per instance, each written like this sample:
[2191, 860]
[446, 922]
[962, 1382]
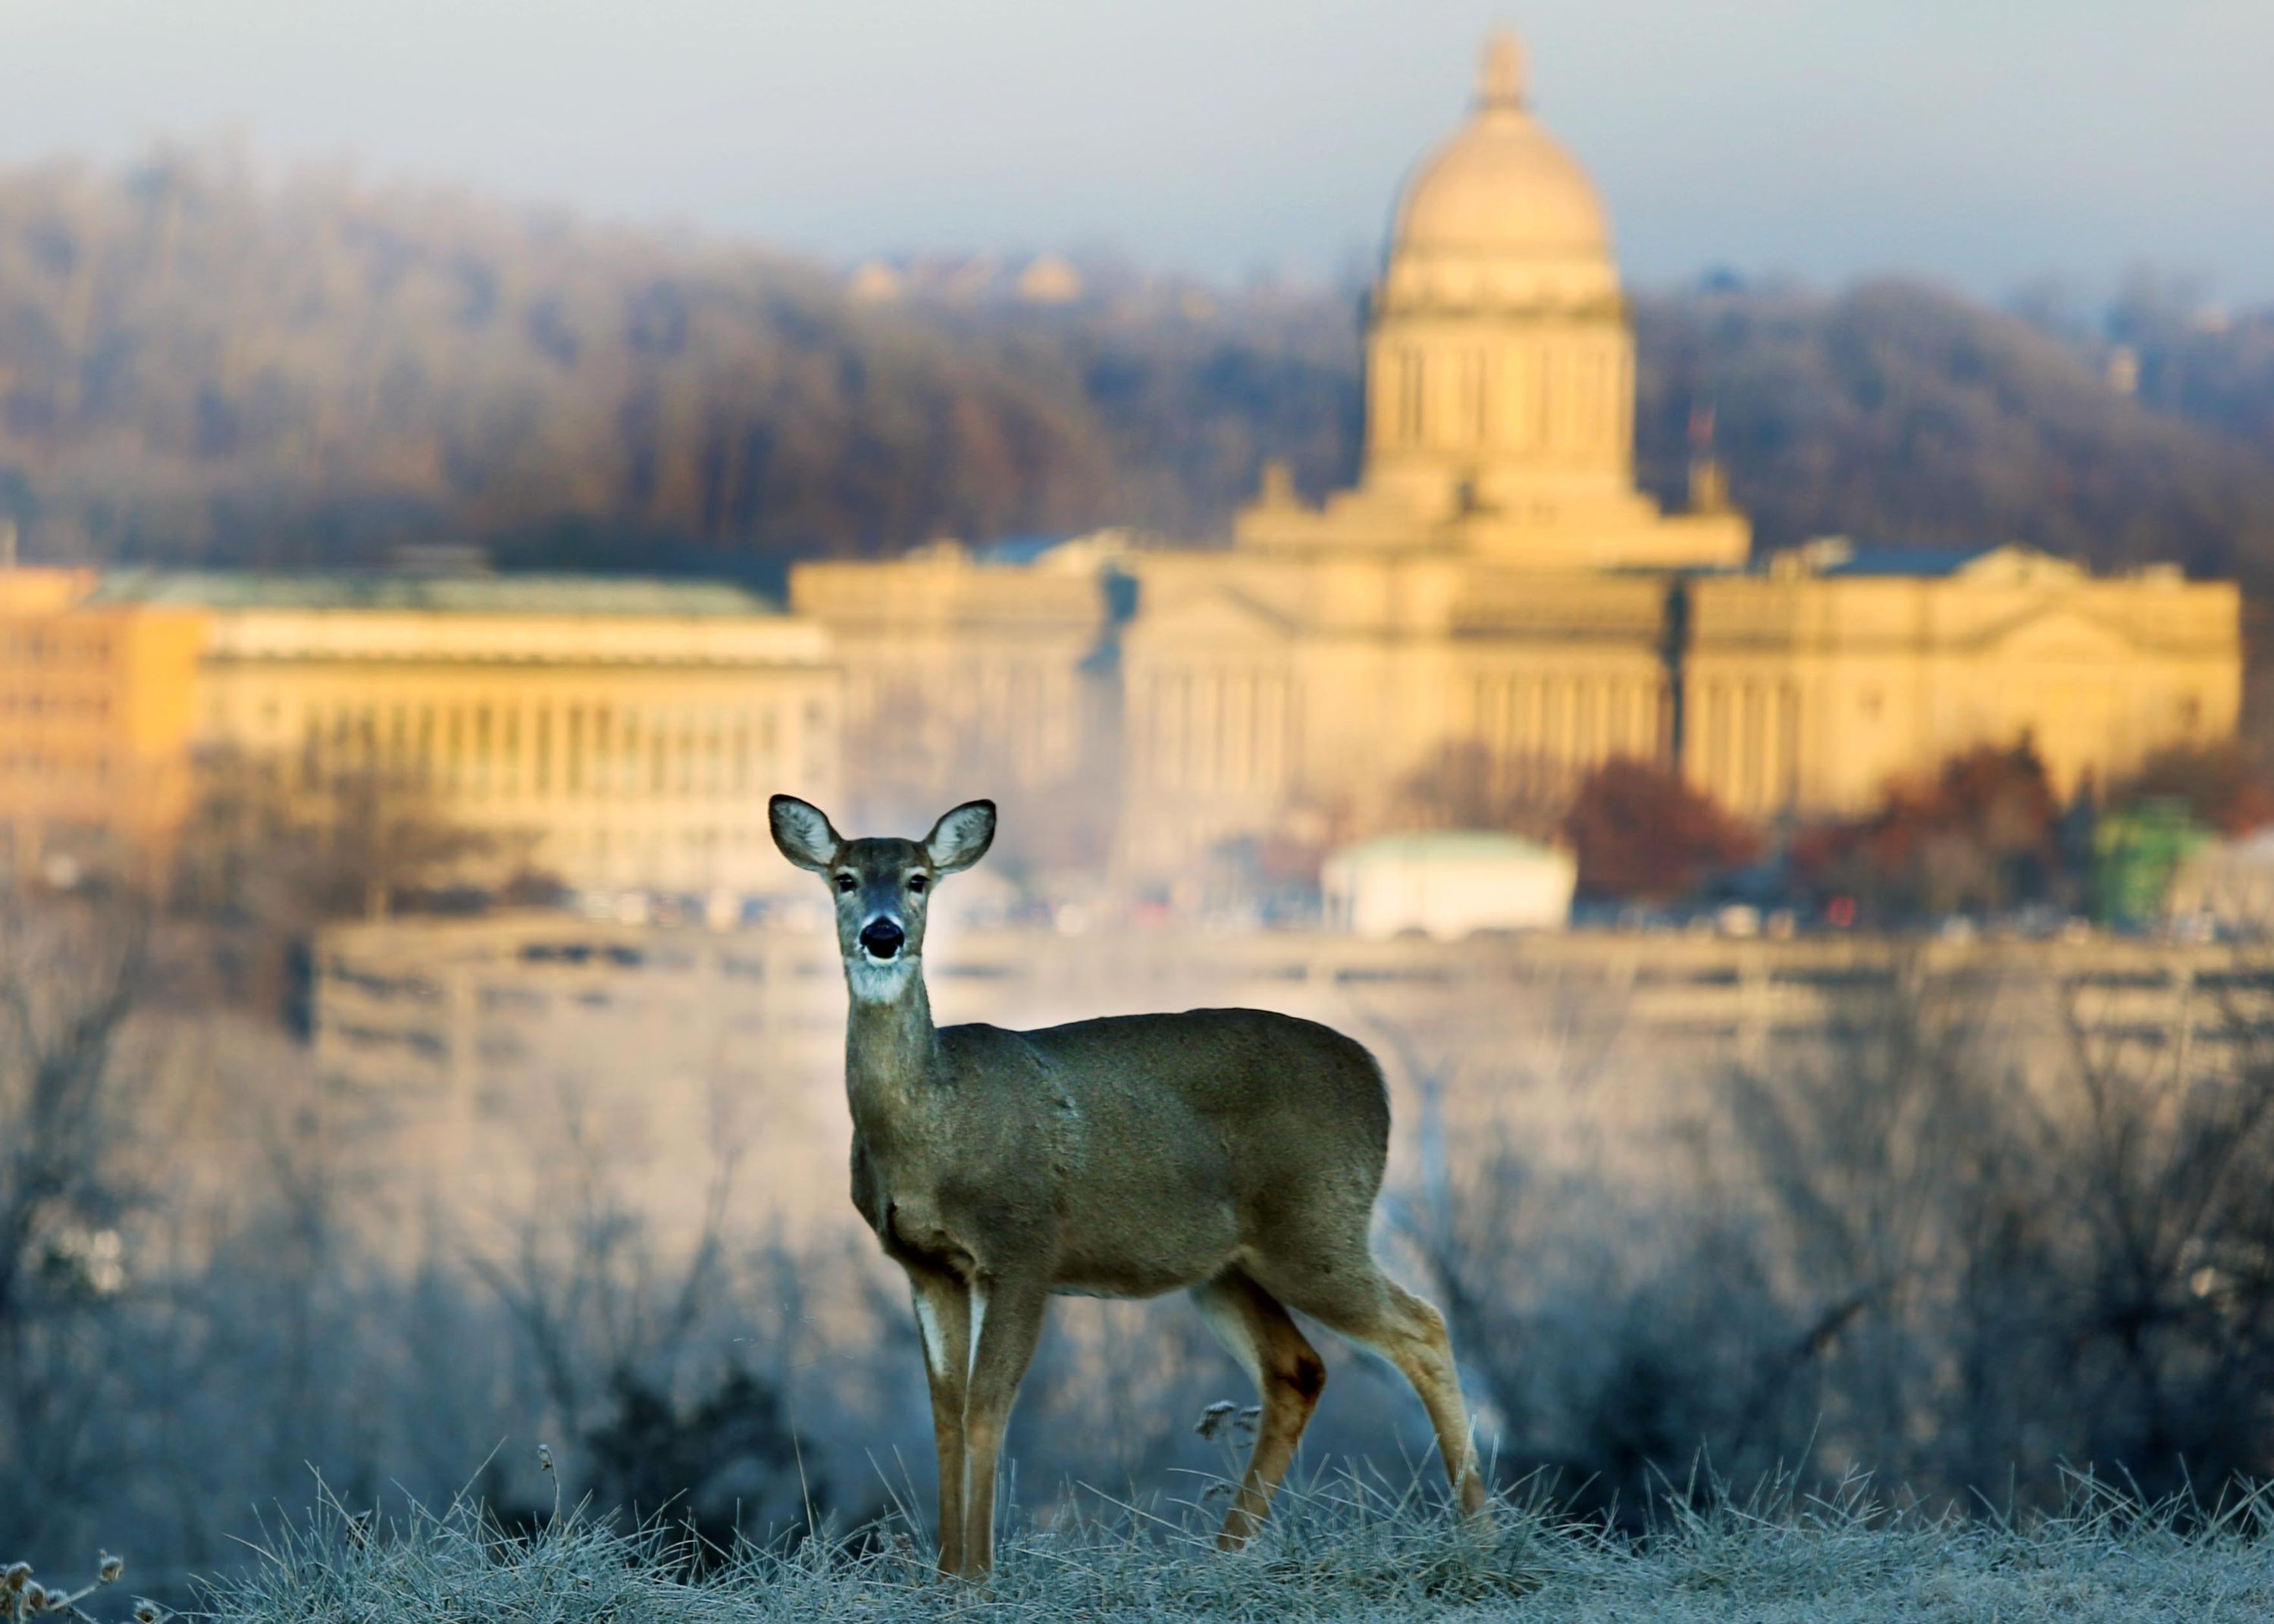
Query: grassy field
[1339, 1549]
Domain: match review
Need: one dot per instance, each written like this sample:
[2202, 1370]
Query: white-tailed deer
[1230, 1152]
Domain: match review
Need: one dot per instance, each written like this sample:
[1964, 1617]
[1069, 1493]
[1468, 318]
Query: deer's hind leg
[1376, 1312]
[943, 1304]
[1288, 1372]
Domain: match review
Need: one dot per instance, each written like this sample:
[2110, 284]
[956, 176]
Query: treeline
[1901, 413]
[198, 364]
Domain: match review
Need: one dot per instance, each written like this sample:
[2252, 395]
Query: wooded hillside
[196, 365]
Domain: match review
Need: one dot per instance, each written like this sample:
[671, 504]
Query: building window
[1409, 397]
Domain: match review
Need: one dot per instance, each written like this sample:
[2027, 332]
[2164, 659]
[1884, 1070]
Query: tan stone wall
[1811, 694]
[1314, 697]
[1513, 409]
[95, 715]
[963, 679]
[1269, 691]
[631, 753]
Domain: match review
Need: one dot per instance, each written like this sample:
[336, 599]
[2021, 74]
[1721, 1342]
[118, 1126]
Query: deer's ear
[961, 837]
[801, 830]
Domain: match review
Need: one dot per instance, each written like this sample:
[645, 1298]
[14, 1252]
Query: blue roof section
[434, 594]
[1878, 557]
[1019, 549]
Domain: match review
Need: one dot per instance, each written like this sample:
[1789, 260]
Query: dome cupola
[1500, 213]
[1500, 368]
[1500, 375]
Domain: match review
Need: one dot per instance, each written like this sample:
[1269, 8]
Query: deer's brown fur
[1234, 1153]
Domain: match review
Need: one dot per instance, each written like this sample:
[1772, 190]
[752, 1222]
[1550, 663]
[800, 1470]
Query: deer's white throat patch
[878, 980]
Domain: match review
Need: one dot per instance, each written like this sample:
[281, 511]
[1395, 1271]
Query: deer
[1235, 1155]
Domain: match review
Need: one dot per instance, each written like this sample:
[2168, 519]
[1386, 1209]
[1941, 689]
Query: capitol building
[1494, 603]
[1490, 613]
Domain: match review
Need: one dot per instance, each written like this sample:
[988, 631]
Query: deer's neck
[891, 1052]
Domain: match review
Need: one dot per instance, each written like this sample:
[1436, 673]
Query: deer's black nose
[882, 937]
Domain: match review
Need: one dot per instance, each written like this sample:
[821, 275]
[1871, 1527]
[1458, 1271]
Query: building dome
[1500, 367]
[1501, 196]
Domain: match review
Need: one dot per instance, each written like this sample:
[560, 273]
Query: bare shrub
[69, 974]
[1975, 1230]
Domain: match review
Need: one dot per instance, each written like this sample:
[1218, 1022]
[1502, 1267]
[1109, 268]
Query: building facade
[1809, 685]
[958, 669]
[616, 735]
[1494, 608]
[96, 714]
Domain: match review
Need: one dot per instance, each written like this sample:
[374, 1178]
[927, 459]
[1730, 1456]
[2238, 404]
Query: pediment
[1212, 614]
[2013, 564]
[2058, 635]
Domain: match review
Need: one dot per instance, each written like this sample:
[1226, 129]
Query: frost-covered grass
[1338, 1550]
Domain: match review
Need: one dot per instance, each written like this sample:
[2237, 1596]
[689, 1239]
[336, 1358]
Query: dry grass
[1344, 1549]
[24, 1595]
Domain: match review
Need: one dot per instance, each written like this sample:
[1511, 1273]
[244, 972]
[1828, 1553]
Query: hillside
[198, 364]
[1898, 410]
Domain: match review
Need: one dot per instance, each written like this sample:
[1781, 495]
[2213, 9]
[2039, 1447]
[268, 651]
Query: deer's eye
[845, 884]
[917, 884]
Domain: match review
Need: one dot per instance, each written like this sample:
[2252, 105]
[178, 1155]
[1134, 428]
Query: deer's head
[882, 887]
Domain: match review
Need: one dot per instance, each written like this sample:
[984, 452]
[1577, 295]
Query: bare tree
[69, 974]
[1866, 1154]
[1466, 787]
[265, 843]
[587, 1284]
[2171, 1135]
[2024, 1223]
[654, 1358]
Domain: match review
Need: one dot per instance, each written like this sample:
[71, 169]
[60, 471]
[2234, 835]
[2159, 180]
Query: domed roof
[1502, 187]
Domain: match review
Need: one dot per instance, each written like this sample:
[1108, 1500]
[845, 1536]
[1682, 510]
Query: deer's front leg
[942, 1304]
[1006, 1322]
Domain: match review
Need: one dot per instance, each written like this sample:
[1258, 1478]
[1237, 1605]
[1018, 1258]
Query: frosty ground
[1344, 1548]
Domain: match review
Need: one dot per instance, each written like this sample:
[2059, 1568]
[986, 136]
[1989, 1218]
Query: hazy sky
[1987, 141]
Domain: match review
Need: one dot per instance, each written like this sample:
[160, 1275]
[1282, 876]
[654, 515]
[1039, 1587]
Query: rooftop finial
[1499, 71]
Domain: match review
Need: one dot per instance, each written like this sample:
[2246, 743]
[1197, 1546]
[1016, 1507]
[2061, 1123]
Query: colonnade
[1568, 396]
